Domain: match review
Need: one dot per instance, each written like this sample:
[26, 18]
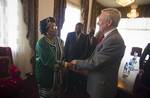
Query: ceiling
[112, 3]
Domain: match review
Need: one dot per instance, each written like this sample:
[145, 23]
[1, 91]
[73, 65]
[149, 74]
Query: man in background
[92, 41]
[75, 44]
[76, 47]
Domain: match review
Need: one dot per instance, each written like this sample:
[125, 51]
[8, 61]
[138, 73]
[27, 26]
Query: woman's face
[52, 29]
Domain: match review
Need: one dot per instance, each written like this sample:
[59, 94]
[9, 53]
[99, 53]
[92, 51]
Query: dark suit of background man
[92, 41]
[145, 66]
[104, 63]
[75, 48]
[75, 44]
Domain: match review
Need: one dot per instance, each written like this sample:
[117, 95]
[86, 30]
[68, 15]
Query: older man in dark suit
[104, 63]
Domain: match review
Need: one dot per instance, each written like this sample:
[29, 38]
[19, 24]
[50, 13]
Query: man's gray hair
[114, 15]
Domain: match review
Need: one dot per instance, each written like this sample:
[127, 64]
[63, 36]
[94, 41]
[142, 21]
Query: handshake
[70, 65]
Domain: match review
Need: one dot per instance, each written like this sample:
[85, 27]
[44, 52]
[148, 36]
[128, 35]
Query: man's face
[79, 28]
[103, 22]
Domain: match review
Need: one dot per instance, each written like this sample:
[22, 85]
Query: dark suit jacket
[91, 46]
[143, 56]
[145, 65]
[103, 66]
[75, 48]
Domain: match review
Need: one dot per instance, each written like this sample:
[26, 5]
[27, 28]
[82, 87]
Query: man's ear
[109, 23]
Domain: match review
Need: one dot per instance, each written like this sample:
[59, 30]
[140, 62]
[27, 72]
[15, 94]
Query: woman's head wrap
[44, 24]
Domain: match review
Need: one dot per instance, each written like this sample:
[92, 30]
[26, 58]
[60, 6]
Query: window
[97, 26]
[13, 33]
[72, 17]
[8, 23]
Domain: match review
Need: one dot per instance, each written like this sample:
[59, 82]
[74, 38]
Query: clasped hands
[71, 65]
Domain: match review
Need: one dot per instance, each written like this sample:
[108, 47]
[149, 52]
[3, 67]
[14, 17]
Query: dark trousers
[74, 82]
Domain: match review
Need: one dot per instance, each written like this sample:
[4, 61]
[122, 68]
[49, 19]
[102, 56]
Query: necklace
[52, 41]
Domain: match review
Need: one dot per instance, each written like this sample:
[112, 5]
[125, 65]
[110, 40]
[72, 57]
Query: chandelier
[124, 2]
[133, 13]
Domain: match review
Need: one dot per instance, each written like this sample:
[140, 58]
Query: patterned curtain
[93, 15]
[59, 13]
[84, 13]
[30, 8]
[96, 9]
[144, 10]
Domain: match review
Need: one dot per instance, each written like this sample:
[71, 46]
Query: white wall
[46, 8]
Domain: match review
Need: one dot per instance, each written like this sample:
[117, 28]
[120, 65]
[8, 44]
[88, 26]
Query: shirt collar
[107, 33]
